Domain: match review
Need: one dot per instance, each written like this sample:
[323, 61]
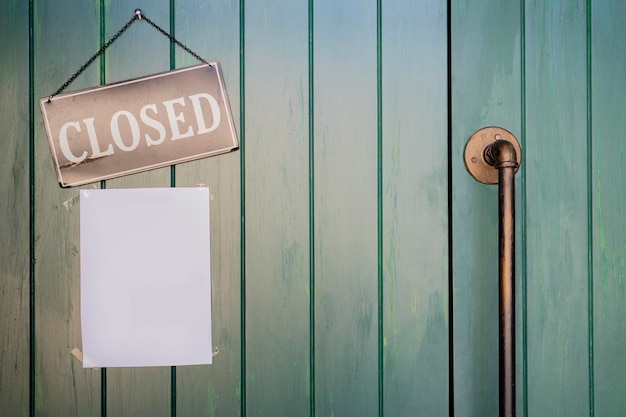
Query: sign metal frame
[138, 125]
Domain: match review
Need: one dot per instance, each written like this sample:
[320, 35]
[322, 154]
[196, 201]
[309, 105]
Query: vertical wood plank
[14, 210]
[277, 209]
[415, 207]
[556, 157]
[609, 199]
[345, 209]
[66, 35]
[212, 30]
[485, 91]
[141, 50]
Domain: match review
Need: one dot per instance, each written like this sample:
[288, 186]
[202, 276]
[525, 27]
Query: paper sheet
[145, 277]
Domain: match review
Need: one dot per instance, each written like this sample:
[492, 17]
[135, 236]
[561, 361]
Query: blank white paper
[145, 277]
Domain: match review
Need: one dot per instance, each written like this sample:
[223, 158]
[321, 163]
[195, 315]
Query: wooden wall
[354, 259]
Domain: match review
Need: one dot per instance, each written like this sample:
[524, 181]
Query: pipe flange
[481, 140]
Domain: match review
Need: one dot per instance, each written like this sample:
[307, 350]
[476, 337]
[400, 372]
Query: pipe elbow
[501, 154]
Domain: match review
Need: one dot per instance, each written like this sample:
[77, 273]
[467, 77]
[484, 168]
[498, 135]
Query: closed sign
[138, 125]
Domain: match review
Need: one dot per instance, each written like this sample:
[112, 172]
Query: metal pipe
[505, 161]
[487, 150]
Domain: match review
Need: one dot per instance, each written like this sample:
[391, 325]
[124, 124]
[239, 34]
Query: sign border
[45, 100]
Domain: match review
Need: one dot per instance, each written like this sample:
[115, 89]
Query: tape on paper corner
[78, 354]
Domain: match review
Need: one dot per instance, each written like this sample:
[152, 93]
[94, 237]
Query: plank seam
[311, 65]
[590, 307]
[450, 214]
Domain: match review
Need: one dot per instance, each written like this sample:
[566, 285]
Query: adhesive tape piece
[77, 354]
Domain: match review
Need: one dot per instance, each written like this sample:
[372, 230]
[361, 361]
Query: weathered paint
[345, 209]
[277, 241]
[14, 210]
[330, 226]
[415, 209]
[607, 194]
[61, 385]
[557, 262]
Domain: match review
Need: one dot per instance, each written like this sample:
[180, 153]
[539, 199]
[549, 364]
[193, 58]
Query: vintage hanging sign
[137, 125]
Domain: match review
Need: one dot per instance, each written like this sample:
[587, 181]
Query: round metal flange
[475, 161]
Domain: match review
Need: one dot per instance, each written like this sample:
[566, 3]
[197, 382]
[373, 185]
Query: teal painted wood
[572, 219]
[212, 30]
[345, 209]
[140, 51]
[277, 209]
[556, 157]
[14, 210]
[62, 386]
[415, 207]
[485, 91]
[608, 163]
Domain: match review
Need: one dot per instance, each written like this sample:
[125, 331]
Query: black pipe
[501, 154]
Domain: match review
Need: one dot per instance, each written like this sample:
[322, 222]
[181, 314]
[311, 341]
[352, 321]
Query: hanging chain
[138, 16]
[173, 39]
[95, 56]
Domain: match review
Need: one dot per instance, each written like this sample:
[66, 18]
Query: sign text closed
[137, 125]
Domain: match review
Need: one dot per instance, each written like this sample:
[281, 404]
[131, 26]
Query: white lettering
[215, 109]
[143, 114]
[130, 131]
[174, 118]
[65, 146]
[134, 128]
[93, 139]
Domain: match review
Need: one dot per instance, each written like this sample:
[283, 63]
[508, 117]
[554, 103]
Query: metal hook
[138, 13]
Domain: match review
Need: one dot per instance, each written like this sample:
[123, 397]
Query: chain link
[173, 39]
[137, 16]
